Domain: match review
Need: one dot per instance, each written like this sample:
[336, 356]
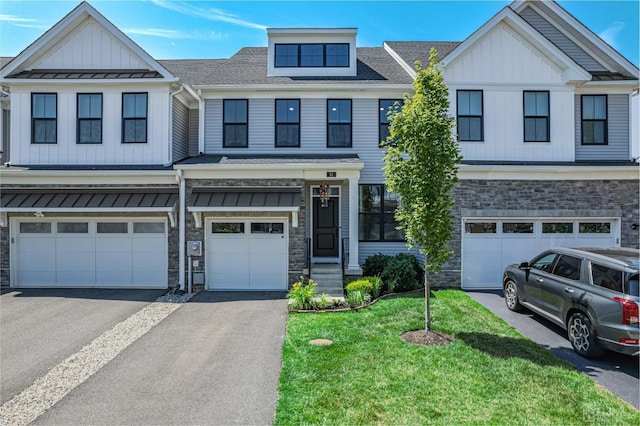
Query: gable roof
[20, 66]
[569, 34]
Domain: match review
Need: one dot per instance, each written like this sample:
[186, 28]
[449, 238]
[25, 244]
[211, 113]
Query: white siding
[503, 57]
[90, 46]
[111, 151]
[504, 126]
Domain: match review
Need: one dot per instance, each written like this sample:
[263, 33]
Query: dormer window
[312, 52]
[319, 55]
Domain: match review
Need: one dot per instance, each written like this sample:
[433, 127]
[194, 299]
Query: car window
[545, 263]
[606, 277]
[632, 286]
[568, 267]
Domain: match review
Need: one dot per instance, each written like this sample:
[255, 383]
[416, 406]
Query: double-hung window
[385, 106]
[339, 123]
[377, 220]
[236, 123]
[594, 119]
[287, 122]
[536, 116]
[134, 117]
[89, 128]
[44, 118]
[470, 115]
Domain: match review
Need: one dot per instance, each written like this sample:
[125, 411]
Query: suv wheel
[582, 336]
[511, 296]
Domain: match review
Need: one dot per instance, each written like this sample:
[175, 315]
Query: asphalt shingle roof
[249, 66]
[412, 51]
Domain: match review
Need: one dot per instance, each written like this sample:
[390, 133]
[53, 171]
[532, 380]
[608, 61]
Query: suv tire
[511, 296]
[583, 336]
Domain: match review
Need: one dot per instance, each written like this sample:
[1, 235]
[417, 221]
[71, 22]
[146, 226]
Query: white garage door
[489, 245]
[90, 253]
[247, 255]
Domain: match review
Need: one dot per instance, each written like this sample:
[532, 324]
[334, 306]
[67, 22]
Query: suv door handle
[540, 280]
[568, 290]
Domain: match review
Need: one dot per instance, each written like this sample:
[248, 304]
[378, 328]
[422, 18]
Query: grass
[489, 374]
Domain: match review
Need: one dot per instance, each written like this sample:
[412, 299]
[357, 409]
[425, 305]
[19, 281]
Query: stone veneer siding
[172, 243]
[297, 236]
[523, 198]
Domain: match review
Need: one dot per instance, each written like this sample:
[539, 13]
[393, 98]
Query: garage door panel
[90, 254]
[488, 249]
[250, 258]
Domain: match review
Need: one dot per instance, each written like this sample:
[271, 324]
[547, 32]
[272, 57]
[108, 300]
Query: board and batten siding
[111, 151]
[618, 147]
[502, 56]
[90, 46]
[6, 131]
[557, 37]
[180, 131]
[504, 127]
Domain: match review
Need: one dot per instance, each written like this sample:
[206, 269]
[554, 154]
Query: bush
[363, 285]
[301, 296]
[375, 265]
[357, 298]
[401, 274]
[415, 264]
[376, 286]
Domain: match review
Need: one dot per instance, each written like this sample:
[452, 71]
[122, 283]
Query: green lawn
[489, 374]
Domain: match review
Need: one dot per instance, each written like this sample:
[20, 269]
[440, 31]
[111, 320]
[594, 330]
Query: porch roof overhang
[245, 199]
[68, 200]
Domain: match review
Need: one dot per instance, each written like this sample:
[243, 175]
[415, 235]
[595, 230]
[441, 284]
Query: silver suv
[591, 292]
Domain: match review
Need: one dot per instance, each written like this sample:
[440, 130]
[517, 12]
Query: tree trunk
[427, 293]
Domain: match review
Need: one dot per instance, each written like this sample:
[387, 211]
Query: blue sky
[217, 29]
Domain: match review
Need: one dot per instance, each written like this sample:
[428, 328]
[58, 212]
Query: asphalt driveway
[41, 327]
[618, 373]
[216, 360]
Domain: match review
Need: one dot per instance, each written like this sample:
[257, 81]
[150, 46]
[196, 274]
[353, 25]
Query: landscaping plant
[301, 295]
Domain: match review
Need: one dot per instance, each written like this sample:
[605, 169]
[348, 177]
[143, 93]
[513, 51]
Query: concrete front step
[330, 291]
[328, 277]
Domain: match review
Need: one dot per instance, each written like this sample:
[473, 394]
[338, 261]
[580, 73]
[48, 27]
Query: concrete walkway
[214, 361]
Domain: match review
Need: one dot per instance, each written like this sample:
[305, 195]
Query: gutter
[170, 144]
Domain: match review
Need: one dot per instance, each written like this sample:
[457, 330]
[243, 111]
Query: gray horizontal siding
[212, 125]
[371, 248]
[194, 126]
[558, 38]
[618, 131]
[180, 131]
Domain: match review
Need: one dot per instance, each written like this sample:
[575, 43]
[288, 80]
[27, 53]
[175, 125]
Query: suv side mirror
[524, 265]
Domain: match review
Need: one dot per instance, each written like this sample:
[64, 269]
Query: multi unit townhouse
[121, 170]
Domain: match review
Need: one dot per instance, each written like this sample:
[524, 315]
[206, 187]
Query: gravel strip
[46, 391]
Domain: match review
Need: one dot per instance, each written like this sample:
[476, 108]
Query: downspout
[181, 226]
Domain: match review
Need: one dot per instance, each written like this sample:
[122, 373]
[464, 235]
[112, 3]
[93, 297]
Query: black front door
[325, 228]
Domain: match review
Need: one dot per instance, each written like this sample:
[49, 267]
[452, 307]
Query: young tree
[421, 167]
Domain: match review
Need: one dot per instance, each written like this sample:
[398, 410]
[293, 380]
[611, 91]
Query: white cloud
[15, 19]
[175, 34]
[611, 33]
[210, 14]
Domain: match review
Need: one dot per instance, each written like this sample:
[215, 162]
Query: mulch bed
[426, 338]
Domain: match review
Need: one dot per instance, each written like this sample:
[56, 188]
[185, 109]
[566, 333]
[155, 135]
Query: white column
[353, 268]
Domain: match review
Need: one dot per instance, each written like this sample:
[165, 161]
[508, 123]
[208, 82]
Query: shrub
[376, 286]
[376, 264]
[362, 285]
[301, 296]
[357, 298]
[415, 264]
[322, 302]
[400, 275]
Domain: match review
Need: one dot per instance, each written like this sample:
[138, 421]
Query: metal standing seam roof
[245, 198]
[88, 198]
[82, 74]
